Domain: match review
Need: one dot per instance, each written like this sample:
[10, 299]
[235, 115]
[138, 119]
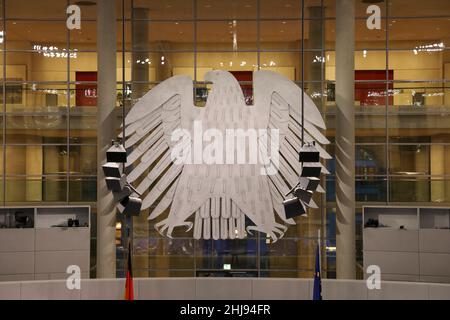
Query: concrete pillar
[106, 131]
[345, 140]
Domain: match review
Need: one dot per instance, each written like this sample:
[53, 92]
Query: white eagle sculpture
[227, 199]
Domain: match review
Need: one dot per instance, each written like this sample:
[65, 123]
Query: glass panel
[423, 35]
[226, 35]
[83, 160]
[370, 128]
[280, 35]
[27, 35]
[82, 189]
[83, 129]
[36, 160]
[163, 36]
[237, 254]
[371, 189]
[157, 66]
[36, 189]
[36, 129]
[419, 127]
[370, 160]
[45, 98]
[290, 254]
[280, 9]
[83, 68]
[410, 160]
[416, 65]
[54, 9]
[423, 8]
[286, 63]
[231, 61]
[409, 190]
[163, 9]
[165, 253]
[432, 96]
[86, 37]
[231, 9]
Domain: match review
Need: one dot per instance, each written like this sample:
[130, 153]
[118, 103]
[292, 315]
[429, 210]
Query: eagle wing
[148, 130]
[278, 106]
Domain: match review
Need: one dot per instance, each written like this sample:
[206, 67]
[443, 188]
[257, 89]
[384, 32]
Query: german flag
[129, 290]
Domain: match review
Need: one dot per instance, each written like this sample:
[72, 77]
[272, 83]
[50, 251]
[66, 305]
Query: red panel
[86, 94]
[247, 89]
[373, 93]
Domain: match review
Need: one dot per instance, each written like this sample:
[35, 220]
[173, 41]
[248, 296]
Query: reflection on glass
[36, 129]
[82, 189]
[230, 35]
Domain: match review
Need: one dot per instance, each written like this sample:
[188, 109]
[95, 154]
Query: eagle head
[225, 88]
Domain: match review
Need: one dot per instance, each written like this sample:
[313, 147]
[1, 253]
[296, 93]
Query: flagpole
[320, 253]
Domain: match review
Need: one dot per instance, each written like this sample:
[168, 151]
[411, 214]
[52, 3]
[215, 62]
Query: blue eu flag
[317, 293]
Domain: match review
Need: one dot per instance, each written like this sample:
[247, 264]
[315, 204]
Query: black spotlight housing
[113, 169]
[293, 207]
[309, 153]
[116, 153]
[131, 206]
[309, 183]
[304, 195]
[125, 192]
[311, 169]
[116, 184]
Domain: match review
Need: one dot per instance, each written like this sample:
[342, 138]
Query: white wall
[223, 289]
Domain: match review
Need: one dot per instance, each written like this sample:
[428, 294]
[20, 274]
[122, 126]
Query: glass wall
[402, 105]
[194, 37]
[48, 115]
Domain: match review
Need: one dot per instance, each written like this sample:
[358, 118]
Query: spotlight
[116, 184]
[309, 183]
[130, 205]
[116, 153]
[112, 169]
[304, 195]
[125, 192]
[128, 198]
[293, 207]
[311, 169]
[309, 153]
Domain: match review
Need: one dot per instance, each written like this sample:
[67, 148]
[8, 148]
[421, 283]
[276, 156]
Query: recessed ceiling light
[208, 6]
[284, 22]
[177, 23]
